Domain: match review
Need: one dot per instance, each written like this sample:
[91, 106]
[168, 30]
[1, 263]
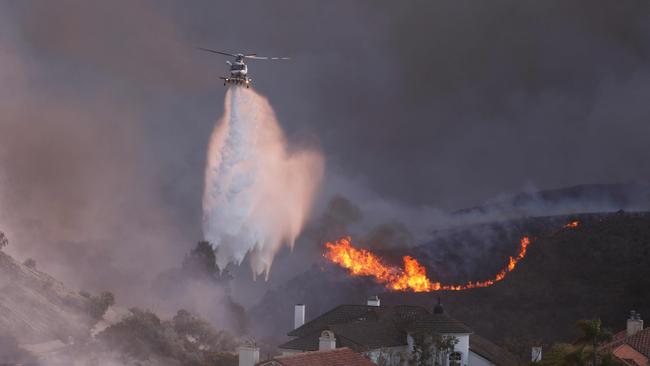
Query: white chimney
[536, 354]
[249, 354]
[373, 301]
[327, 341]
[634, 323]
[298, 316]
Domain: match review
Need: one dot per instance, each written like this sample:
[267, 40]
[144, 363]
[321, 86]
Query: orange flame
[412, 276]
[571, 225]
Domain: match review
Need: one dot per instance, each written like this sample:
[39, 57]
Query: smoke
[258, 194]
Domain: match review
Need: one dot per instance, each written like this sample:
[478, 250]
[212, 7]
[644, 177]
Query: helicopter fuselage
[238, 68]
[238, 74]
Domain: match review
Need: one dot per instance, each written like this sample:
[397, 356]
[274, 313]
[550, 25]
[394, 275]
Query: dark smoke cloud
[106, 110]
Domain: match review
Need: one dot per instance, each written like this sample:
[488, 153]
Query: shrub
[30, 263]
[98, 305]
[186, 338]
[3, 240]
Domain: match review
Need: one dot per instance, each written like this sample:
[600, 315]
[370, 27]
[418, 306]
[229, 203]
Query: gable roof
[338, 315]
[440, 324]
[491, 351]
[362, 327]
[337, 357]
[639, 341]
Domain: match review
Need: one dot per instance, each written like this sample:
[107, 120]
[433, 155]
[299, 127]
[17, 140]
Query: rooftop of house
[491, 351]
[336, 357]
[364, 327]
[639, 341]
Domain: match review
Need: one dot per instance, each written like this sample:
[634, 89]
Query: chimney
[249, 354]
[373, 301]
[327, 341]
[536, 354]
[634, 323]
[299, 316]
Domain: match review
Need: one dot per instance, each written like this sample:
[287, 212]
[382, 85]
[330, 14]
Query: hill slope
[35, 307]
[601, 268]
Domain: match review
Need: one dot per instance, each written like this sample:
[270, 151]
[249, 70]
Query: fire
[572, 224]
[411, 276]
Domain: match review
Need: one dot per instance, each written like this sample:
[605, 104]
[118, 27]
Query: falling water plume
[257, 194]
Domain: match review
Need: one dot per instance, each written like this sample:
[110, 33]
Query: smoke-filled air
[258, 192]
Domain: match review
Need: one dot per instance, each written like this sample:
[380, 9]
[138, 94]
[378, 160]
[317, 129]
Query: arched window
[454, 358]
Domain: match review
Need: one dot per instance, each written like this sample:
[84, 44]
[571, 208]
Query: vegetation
[3, 240]
[431, 350]
[186, 338]
[30, 263]
[97, 305]
[199, 267]
[601, 267]
[201, 262]
[583, 352]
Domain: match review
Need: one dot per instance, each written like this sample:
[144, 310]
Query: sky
[107, 107]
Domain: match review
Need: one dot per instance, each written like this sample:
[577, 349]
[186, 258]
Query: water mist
[257, 193]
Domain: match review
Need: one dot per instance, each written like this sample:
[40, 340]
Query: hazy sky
[107, 107]
[445, 103]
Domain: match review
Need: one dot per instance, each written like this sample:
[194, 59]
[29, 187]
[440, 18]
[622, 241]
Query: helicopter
[238, 68]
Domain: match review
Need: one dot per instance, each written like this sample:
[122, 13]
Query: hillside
[601, 268]
[35, 307]
[43, 321]
[580, 198]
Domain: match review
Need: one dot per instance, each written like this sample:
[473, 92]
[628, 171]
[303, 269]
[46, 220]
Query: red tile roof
[639, 341]
[337, 357]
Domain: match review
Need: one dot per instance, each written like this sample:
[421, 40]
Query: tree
[201, 263]
[564, 354]
[30, 263]
[389, 357]
[186, 338]
[3, 240]
[584, 352]
[428, 349]
[98, 305]
[201, 260]
[593, 334]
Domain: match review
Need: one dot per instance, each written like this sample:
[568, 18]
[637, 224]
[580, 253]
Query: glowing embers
[412, 276]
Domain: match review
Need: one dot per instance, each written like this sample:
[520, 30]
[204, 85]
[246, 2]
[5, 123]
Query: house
[632, 345]
[335, 357]
[387, 335]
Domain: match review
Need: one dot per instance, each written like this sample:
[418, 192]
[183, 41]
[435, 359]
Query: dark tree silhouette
[3, 240]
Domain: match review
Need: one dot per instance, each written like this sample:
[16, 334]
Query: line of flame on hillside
[412, 276]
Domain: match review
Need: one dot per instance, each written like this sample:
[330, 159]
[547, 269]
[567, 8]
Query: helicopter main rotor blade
[266, 58]
[217, 52]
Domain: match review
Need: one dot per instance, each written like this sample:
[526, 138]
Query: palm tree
[593, 334]
[584, 351]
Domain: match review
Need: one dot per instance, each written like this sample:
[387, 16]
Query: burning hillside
[412, 276]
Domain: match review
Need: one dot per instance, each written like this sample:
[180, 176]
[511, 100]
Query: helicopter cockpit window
[237, 67]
